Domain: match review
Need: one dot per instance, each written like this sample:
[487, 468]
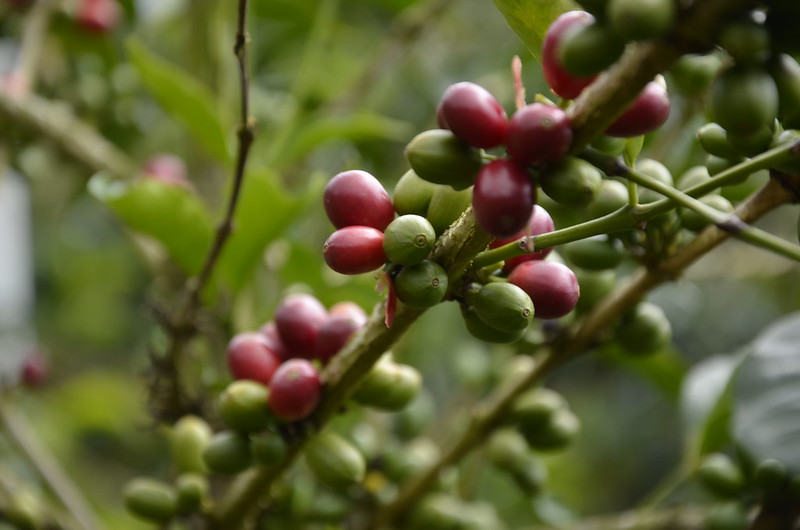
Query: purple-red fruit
[295, 390]
[250, 357]
[473, 115]
[270, 333]
[98, 16]
[356, 198]
[538, 134]
[647, 113]
[349, 309]
[354, 250]
[539, 222]
[167, 168]
[552, 286]
[562, 82]
[333, 335]
[503, 198]
[34, 371]
[298, 319]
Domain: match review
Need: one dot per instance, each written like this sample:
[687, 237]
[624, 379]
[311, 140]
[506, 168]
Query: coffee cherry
[730, 515]
[389, 386]
[150, 499]
[507, 448]
[559, 432]
[483, 331]
[503, 198]
[228, 453]
[641, 19]
[792, 166]
[250, 356]
[167, 168]
[356, 198]
[609, 145]
[694, 176]
[412, 194]
[474, 115]
[34, 370]
[746, 40]
[422, 285]
[298, 319]
[754, 143]
[590, 49]
[645, 330]
[785, 71]
[692, 75]
[503, 306]
[610, 197]
[538, 134]
[534, 409]
[558, 78]
[446, 206]
[647, 113]
[721, 476]
[354, 250]
[191, 489]
[334, 460]
[539, 222]
[743, 99]
[658, 171]
[438, 156]
[333, 335]
[270, 333]
[594, 253]
[552, 287]
[243, 406]
[98, 16]
[351, 310]
[594, 285]
[571, 181]
[714, 141]
[268, 448]
[771, 478]
[188, 440]
[408, 239]
[295, 390]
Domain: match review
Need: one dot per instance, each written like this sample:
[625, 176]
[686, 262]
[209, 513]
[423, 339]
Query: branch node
[732, 225]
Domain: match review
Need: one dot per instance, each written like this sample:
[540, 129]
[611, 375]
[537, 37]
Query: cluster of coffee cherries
[94, 16]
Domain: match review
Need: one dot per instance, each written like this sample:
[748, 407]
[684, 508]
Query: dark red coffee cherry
[250, 357]
[354, 250]
[560, 80]
[356, 198]
[333, 335]
[474, 115]
[34, 370]
[539, 222]
[503, 198]
[552, 286]
[98, 16]
[350, 310]
[270, 333]
[647, 113]
[538, 134]
[298, 319]
[295, 390]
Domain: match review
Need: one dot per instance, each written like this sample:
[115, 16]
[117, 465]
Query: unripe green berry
[714, 141]
[192, 489]
[535, 408]
[694, 176]
[692, 220]
[785, 71]
[721, 476]
[746, 41]
[557, 434]
[507, 448]
[504, 306]
[483, 331]
[334, 460]
[610, 197]
[412, 420]
[594, 253]
[408, 239]
[571, 182]
[228, 453]
[609, 145]
[438, 156]
[188, 440]
[406, 461]
[421, 285]
[771, 478]
[412, 194]
[243, 406]
[754, 143]
[437, 511]
[587, 50]
[656, 170]
[730, 515]
[743, 99]
[388, 386]
[268, 448]
[446, 206]
[645, 330]
[595, 285]
[641, 19]
[692, 75]
[150, 500]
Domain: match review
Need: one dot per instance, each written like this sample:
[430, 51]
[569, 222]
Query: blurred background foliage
[336, 85]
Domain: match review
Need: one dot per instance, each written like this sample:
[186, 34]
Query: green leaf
[633, 146]
[665, 370]
[185, 98]
[264, 212]
[530, 19]
[766, 395]
[172, 215]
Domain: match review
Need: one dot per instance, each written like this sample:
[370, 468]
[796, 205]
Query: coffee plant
[374, 269]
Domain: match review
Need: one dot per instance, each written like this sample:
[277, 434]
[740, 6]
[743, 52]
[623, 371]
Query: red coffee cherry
[34, 371]
[552, 286]
[539, 222]
[349, 309]
[270, 333]
[560, 80]
[647, 113]
[503, 198]
[250, 357]
[354, 250]
[333, 335]
[473, 115]
[295, 390]
[298, 319]
[357, 198]
[98, 16]
[538, 134]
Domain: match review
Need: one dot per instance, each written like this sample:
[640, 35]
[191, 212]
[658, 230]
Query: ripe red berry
[647, 113]
[503, 198]
[34, 371]
[298, 319]
[473, 115]
[540, 222]
[167, 168]
[560, 80]
[356, 198]
[333, 335]
[538, 134]
[354, 250]
[552, 286]
[295, 390]
[250, 357]
[98, 16]
[349, 309]
[270, 332]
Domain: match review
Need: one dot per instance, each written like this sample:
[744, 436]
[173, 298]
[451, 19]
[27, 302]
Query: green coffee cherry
[408, 239]
[536, 408]
[188, 440]
[504, 306]
[721, 476]
[585, 50]
[771, 478]
[406, 461]
[328, 508]
[446, 206]
[412, 194]
[571, 182]
[594, 285]
[641, 19]
[437, 511]
[439, 157]
[555, 435]
[754, 143]
[610, 197]
[594, 253]
[609, 145]
[228, 453]
[692, 75]
[694, 176]
[656, 170]
[150, 500]
[743, 99]
[507, 448]
[389, 386]
[334, 460]
[191, 490]
[714, 141]
[715, 164]
[645, 330]
[785, 71]
[746, 41]
[784, 138]
[412, 420]
[483, 331]
[421, 285]
[268, 448]
[691, 220]
[243, 406]
[727, 516]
